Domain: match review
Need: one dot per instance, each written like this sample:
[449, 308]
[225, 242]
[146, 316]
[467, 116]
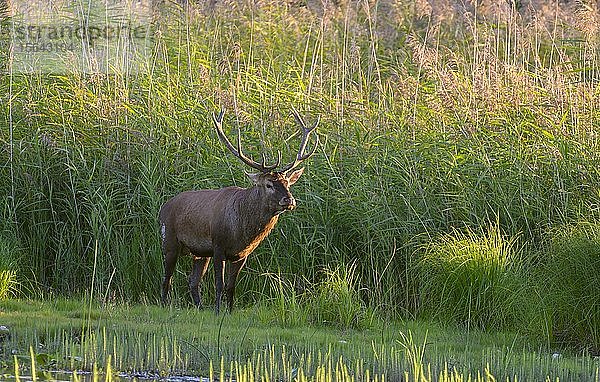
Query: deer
[228, 224]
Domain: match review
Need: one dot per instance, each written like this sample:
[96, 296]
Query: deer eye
[269, 185]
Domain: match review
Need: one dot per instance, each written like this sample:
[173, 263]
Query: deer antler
[238, 152]
[301, 156]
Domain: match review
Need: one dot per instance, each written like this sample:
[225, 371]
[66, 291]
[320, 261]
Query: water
[87, 376]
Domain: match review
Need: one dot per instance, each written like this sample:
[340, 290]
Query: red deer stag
[228, 224]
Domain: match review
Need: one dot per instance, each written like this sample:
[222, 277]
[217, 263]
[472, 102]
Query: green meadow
[448, 225]
[146, 342]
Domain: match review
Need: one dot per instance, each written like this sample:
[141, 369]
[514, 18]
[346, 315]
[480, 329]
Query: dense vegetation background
[457, 177]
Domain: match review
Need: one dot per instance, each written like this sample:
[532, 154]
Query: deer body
[226, 224]
[200, 220]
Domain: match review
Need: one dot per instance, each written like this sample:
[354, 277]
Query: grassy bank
[460, 149]
[253, 345]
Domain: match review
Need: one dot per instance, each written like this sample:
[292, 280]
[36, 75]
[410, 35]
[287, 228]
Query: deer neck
[257, 221]
[256, 208]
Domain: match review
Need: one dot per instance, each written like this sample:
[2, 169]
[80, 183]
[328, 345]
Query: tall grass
[432, 122]
[7, 283]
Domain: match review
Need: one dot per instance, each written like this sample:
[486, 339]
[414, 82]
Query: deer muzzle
[288, 202]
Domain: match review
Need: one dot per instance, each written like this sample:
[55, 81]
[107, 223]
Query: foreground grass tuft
[8, 275]
[571, 276]
[336, 300]
[473, 279]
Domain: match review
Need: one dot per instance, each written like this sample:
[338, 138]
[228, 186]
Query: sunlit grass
[9, 284]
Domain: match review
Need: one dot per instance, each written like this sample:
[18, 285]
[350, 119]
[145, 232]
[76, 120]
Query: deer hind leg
[171, 250]
[170, 262]
[234, 271]
[199, 268]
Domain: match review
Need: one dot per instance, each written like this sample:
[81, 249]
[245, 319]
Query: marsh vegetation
[457, 179]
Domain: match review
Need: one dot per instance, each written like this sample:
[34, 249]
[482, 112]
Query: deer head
[273, 184]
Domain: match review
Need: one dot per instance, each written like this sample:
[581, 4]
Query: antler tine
[218, 120]
[273, 166]
[301, 156]
[298, 118]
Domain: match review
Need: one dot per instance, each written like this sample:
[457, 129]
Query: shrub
[471, 279]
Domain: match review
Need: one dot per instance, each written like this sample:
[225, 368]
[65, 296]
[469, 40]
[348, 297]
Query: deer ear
[255, 178]
[293, 177]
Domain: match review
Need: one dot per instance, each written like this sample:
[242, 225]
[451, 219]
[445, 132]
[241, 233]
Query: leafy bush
[471, 279]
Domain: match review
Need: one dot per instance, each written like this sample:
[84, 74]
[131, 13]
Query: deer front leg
[219, 280]
[199, 267]
[234, 271]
